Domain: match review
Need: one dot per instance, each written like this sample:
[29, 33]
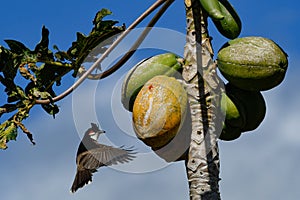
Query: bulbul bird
[91, 155]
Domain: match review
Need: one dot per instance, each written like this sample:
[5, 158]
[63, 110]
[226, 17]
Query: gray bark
[203, 87]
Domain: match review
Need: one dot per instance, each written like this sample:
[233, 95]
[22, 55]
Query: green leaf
[8, 131]
[42, 48]
[17, 47]
[15, 94]
[76, 47]
[51, 109]
[38, 91]
[12, 96]
[48, 73]
[6, 108]
[43, 44]
[5, 56]
[101, 33]
[100, 15]
[61, 56]
[8, 63]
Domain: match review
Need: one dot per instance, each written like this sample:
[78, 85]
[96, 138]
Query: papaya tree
[196, 108]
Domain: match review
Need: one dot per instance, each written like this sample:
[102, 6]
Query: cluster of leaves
[42, 68]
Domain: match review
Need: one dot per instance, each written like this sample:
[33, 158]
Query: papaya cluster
[158, 102]
[250, 65]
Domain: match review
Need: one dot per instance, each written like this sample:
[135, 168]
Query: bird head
[94, 132]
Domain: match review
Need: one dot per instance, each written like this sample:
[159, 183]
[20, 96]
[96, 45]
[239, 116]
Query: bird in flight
[92, 155]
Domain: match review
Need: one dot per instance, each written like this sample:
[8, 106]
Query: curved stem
[105, 54]
[134, 47]
[59, 64]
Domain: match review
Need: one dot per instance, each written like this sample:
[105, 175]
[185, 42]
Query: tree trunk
[203, 87]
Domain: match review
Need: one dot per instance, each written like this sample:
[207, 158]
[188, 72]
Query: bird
[92, 155]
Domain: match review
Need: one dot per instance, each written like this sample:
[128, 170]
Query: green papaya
[253, 104]
[230, 26]
[252, 63]
[234, 112]
[212, 7]
[230, 133]
[164, 64]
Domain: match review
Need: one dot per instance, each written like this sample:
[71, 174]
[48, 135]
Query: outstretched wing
[104, 155]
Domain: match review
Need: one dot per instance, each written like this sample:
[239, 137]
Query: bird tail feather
[82, 178]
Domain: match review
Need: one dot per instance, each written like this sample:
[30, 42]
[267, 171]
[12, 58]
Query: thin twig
[105, 54]
[134, 47]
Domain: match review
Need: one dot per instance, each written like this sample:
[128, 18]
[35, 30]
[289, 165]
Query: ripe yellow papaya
[159, 111]
[163, 64]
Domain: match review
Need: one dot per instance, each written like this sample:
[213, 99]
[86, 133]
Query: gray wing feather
[105, 155]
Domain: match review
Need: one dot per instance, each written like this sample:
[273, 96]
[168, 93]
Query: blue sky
[262, 164]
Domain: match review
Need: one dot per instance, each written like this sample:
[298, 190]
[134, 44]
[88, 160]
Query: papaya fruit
[234, 112]
[212, 7]
[253, 104]
[230, 133]
[159, 110]
[163, 64]
[252, 63]
[230, 25]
